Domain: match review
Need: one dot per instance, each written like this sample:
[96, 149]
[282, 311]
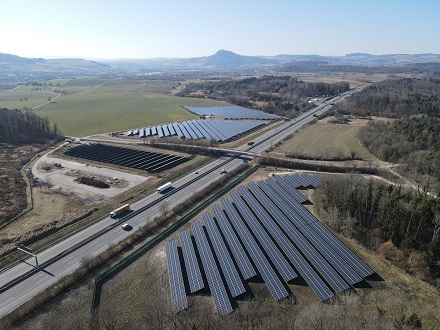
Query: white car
[125, 226]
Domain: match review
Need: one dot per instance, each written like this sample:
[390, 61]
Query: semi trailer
[164, 187]
[119, 210]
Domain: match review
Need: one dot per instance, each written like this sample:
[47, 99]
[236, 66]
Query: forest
[18, 126]
[412, 140]
[413, 143]
[281, 95]
[395, 98]
[402, 225]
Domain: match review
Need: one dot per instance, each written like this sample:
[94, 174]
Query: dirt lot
[59, 201]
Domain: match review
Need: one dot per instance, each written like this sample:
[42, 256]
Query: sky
[105, 29]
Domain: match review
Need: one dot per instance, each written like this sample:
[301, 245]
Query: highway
[58, 263]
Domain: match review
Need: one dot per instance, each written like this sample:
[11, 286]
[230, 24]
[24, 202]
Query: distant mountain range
[14, 66]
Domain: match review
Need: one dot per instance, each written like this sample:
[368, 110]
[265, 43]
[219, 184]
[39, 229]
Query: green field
[325, 140]
[88, 109]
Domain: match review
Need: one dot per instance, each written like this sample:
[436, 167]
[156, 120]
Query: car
[196, 172]
[222, 171]
[125, 226]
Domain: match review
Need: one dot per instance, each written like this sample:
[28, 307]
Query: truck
[119, 210]
[164, 187]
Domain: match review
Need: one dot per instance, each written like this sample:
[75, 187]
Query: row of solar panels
[138, 159]
[266, 222]
[218, 130]
[230, 112]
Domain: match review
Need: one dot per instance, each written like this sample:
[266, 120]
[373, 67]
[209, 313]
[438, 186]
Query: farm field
[90, 108]
[354, 79]
[325, 140]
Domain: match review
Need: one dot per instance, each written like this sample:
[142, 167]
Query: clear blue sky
[193, 28]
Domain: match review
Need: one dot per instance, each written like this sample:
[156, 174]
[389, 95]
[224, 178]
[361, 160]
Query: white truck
[164, 187]
[119, 210]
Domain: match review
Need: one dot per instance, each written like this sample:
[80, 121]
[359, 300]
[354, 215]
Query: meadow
[324, 140]
[87, 108]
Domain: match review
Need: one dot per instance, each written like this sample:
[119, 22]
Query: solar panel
[306, 271]
[265, 241]
[280, 183]
[202, 130]
[171, 129]
[154, 130]
[240, 256]
[349, 256]
[191, 264]
[306, 218]
[178, 131]
[166, 132]
[177, 286]
[218, 290]
[195, 129]
[282, 201]
[230, 273]
[159, 131]
[184, 131]
[307, 249]
[147, 131]
[266, 271]
[230, 112]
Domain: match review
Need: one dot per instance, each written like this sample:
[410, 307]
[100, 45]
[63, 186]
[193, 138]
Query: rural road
[12, 296]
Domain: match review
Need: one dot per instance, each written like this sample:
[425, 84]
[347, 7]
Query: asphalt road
[12, 296]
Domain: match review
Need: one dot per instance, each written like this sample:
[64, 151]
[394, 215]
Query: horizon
[170, 57]
[142, 30]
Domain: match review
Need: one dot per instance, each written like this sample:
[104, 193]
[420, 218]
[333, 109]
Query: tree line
[414, 143]
[18, 126]
[282, 95]
[395, 98]
[375, 213]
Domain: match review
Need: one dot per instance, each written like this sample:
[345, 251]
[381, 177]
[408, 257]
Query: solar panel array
[138, 159]
[230, 112]
[178, 295]
[216, 286]
[264, 225]
[210, 129]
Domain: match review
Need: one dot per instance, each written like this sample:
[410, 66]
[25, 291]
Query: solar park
[137, 159]
[217, 129]
[230, 112]
[261, 231]
[211, 129]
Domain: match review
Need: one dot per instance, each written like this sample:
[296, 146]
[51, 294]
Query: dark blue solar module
[306, 271]
[266, 271]
[230, 273]
[283, 184]
[215, 283]
[195, 129]
[177, 286]
[191, 264]
[178, 131]
[185, 132]
[277, 258]
[282, 201]
[306, 248]
[240, 256]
